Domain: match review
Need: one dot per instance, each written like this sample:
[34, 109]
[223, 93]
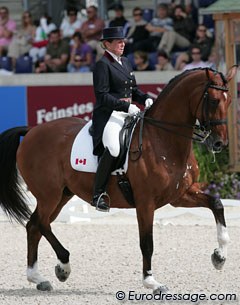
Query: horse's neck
[173, 110]
[174, 133]
[175, 102]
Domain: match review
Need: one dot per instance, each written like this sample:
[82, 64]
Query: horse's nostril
[218, 145]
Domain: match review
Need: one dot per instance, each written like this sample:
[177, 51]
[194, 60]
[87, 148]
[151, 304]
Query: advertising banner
[13, 107]
[48, 103]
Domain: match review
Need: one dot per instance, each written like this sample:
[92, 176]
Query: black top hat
[113, 33]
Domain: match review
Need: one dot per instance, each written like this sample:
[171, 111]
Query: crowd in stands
[172, 39]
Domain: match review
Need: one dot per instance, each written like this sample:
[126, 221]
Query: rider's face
[116, 46]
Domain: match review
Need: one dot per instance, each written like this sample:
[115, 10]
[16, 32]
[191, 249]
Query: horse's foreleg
[145, 223]
[220, 254]
[194, 197]
[33, 238]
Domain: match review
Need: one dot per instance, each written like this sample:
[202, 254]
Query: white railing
[77, 210]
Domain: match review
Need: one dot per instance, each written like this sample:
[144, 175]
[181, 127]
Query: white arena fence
[77, 210]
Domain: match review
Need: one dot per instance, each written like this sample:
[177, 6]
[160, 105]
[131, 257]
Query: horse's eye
[213, 102]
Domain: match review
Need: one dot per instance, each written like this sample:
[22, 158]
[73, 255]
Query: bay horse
[165, 171]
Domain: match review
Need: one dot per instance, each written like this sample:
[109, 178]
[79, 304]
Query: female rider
[115, 88]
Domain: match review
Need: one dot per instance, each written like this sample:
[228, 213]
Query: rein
[162, 124]
[204, 127]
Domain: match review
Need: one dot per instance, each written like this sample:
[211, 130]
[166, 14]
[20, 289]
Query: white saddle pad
[82, 158]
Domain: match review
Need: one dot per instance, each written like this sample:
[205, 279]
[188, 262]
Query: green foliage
[214, 171]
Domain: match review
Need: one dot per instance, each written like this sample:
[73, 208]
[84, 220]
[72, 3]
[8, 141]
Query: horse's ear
[231, 72]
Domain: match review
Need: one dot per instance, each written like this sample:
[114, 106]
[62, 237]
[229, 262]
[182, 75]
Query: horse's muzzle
[215, 143]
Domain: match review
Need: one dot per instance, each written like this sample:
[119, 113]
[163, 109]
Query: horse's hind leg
[33, 238]
[194, 197]
[145, 223]
[39, 225]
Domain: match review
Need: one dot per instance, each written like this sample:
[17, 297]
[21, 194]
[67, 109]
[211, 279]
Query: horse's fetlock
[64, 256]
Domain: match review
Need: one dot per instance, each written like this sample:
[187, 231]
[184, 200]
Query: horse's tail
[12, 200]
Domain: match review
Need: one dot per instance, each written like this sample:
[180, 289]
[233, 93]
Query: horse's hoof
[160, 289]
[217, 259]
[44, 286]
[61, 274]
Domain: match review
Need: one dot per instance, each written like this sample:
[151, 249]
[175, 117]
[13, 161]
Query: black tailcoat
[112, 82]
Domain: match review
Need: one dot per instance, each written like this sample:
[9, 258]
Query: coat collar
[109, 56]
[123, 68]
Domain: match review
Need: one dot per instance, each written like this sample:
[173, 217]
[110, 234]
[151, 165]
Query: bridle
[205, 125]
[201, 131]
[206, 99]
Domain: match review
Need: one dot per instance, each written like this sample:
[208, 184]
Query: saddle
[124, 140]
[82, 158]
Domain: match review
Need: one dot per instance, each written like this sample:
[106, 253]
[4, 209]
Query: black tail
[11, 194]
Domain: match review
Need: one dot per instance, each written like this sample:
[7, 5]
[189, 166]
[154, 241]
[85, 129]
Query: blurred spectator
[203, 41]
[182, 33]
[91, 30]
[7, 28]
[70, 24]
[207, 20]
[196, 60]
[163, 62]
[44, 27]
[187, 4]
[137, 31]
[57, 54]
[156, 28]
[213, 59]
[141, 62]
[40, 66]
[119, 19]
[190, 6]
[81, 55]
[23, 38]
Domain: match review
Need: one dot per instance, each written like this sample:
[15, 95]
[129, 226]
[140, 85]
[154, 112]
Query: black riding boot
[104, 170]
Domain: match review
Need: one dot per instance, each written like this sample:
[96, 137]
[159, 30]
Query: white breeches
[111, 132]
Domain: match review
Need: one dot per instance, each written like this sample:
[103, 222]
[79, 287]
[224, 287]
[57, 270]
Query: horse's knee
[218, 210]
[217, 204]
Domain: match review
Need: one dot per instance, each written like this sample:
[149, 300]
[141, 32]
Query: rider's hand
[133, 109]
[148, 102]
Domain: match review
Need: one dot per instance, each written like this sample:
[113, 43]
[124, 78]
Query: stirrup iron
[103, 194]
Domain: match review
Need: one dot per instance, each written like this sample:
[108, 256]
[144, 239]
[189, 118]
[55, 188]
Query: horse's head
[212, 109]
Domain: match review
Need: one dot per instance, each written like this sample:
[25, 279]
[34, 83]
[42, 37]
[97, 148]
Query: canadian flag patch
[80, 161]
